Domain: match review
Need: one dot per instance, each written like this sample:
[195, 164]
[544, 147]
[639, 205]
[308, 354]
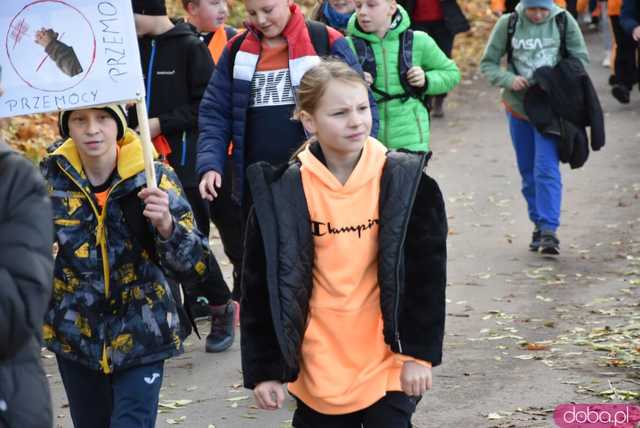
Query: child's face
[268, 16]
[208, 15]
[343, 6]
[93, 131]
[342, 119]
[537, 14]
[374, 16]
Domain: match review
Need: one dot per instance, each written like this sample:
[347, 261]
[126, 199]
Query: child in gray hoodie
[536, 42]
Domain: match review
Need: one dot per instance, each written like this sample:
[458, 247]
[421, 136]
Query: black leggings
[394, 410]
[627, 50]
[214, 288]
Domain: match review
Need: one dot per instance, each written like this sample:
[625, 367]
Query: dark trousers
[394, 410]
[440, 34]
[627, 50]
[228, 218]
[127, 399]
[213, 287]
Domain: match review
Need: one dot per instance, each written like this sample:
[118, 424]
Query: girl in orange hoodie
[345, 268]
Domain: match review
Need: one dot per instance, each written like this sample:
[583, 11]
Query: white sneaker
[606, 62]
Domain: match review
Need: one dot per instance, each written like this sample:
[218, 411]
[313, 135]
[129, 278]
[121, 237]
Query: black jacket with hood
[562, 104]
[26, 275]
[278, 264]
[176, 67]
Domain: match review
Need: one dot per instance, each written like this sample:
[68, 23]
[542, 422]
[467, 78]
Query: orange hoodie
[345, 364]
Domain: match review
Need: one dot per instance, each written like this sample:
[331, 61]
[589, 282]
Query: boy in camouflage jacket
[113, 319]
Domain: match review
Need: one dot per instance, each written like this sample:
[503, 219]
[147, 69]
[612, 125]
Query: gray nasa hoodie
[534, 46]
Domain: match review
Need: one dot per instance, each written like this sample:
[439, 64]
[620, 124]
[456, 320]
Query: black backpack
[561, 22]
[317, 32]
[367, 61]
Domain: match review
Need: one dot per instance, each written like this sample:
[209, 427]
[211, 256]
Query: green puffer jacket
[405, 125]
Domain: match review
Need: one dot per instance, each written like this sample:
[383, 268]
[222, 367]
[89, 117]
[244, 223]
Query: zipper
[150, 71]
[101, 240]
[415, 113]
[183, 158]
[405, 226]
[386, 89]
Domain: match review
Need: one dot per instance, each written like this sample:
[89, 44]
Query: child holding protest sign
[323, 306]
[113, 318]
[177, 67]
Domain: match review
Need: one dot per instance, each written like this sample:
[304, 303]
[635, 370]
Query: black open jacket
[562, 104]
[278, 263]
[26, 277]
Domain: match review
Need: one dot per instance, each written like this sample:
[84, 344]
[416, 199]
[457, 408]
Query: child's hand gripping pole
[147, 147]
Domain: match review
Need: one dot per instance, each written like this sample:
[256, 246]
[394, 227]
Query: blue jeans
[127, 399]
[539, 166]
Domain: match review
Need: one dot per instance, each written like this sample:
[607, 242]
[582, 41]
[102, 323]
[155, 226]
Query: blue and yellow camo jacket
[112, 307]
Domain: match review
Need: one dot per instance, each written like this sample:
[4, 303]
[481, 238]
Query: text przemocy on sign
[67, 54]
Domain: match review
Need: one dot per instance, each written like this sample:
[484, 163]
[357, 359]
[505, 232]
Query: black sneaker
[222, 328]
[549, 243]
[535, 240]
[621, 93]
[200, 309]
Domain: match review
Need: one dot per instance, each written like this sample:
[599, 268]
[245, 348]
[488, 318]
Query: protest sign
[69, 54]
[58, 55]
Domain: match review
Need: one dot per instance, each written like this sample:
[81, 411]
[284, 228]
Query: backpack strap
[233, 50]
[230, 32]
[511, 31]
[405, 62]
[319, 38]
[365, 56]
[561, 22]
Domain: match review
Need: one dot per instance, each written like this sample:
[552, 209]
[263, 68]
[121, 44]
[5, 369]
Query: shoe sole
[621, 95]
[549, 251]
[218, 349]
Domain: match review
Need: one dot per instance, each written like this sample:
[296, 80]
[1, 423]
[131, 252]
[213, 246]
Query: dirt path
[501, 296]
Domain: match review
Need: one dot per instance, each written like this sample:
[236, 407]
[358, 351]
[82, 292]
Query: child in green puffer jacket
[378, 32]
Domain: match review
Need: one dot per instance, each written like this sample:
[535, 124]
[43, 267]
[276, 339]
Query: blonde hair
[315, 81]
[314, 84]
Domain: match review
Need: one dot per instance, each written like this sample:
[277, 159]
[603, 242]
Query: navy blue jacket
[630, 15]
